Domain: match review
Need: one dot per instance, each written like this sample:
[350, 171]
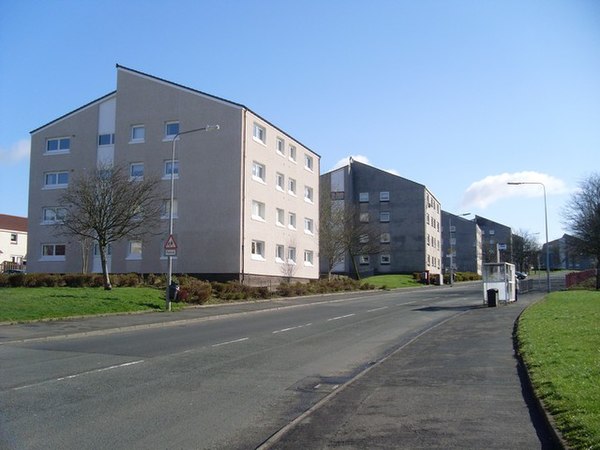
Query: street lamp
[515, 183]
[451, 246]
[170, 257]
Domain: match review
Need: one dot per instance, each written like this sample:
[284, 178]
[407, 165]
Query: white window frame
[280, 217]
[309, 194]
[363, 239]
[384, 196]
[134, 250]
[308, 226]
[60, 142]
[280, 146]
[385, 259]
[111, 139]
[171, 136]
[292, 153]
[257, 250]
[364, 217]
[259, 134]
[53, 256]
[165, 209]
[384, 216]
[291, 255]
[56, 185]
[364, 260]
[54, 210]
[308, 162]
[131, 171]
[292, 220]
[309, 256]
[14, 238]
[259, 167]
[292, 186]
[279, 253]
[280, 181]
[137, 140]
[167, 173]
[385, 238]
[363, 197]
[259, 211]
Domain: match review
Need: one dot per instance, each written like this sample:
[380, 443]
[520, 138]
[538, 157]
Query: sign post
[170, 246]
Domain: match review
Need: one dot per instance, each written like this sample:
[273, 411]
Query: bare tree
[525, 249]
[344, 231]
[289, 265]
[581, 216]
[106, 205]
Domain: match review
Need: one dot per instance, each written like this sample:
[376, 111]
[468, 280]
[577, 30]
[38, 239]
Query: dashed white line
[292, 328]
[230, 342]
[377, 309]
[340, 317]
[76, 375]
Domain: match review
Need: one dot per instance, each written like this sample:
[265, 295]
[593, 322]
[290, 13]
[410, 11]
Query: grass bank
[24, 304]
[559, 339]
[392, 281]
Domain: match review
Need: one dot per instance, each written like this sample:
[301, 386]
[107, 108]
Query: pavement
[459, 385]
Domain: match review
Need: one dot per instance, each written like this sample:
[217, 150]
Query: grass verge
[392, 281]
[559, 339]
[25, 304]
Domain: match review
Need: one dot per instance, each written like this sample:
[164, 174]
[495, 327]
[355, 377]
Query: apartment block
[404, 216]
[496, 240]
[245, 197]
[13, 242]
[461, 244]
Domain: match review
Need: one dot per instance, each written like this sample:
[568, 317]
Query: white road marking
[76, 375]
[340, 317]
[292, 328]
[377, 309]
[230, 342]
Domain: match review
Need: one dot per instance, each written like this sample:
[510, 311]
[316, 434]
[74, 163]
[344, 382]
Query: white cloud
[361, 159]
[489, 190]
[15, 153]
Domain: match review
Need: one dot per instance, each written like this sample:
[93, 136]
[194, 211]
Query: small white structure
[499, 276]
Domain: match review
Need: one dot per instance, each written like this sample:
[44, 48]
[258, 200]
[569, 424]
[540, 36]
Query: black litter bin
[173, 291]
[492, 297]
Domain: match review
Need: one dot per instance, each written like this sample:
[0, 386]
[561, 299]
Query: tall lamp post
[452, 246]
[516, 183]
[170, 257]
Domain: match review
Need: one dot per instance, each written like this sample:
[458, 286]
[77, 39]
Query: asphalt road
[229, 381]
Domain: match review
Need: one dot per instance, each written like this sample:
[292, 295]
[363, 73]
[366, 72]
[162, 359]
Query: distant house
[404, 215]
[13, 242]
[565, 255]
[461, 238]
[496, 240]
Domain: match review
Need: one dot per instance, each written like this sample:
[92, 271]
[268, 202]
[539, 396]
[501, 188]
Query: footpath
[459, 386]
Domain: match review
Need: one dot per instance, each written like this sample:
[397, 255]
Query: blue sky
[461, 96]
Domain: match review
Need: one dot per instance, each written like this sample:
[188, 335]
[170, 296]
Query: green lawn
[392, 281]
[23, 304]
[559, 339]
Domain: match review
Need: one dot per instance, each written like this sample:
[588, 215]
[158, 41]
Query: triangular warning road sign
[170, 244]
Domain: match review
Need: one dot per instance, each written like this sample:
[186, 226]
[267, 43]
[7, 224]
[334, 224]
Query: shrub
[193, 290]
[126, 279]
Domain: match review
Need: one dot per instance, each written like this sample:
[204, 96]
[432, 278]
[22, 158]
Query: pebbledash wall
[246, 196]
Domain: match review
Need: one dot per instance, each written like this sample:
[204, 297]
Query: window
[363, 197]
[280, 217]
[53, 215]
[258, 172]
[138, 133]
[136, 171]
[171, 130]
[308, 257]
[258, 250]
[384, 238]
[279, 253]
[384, 196]
[259, 134]
[56, 179]
[54, 252]
[492, 232]
[106, 139]
[171, 167]
[292, 153]
[134, 250]
[364, 260]
[364, 217]
[384, 216]
[165, 209]
[292, 186]
[14, 238]
[292, 221]
[280, 146]
[308, 194]
[308, 226]
[363, 238]
[308, 162]
[258, 210]
[292, 255]
[58, 145]
[280, 181]
[385, 259]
